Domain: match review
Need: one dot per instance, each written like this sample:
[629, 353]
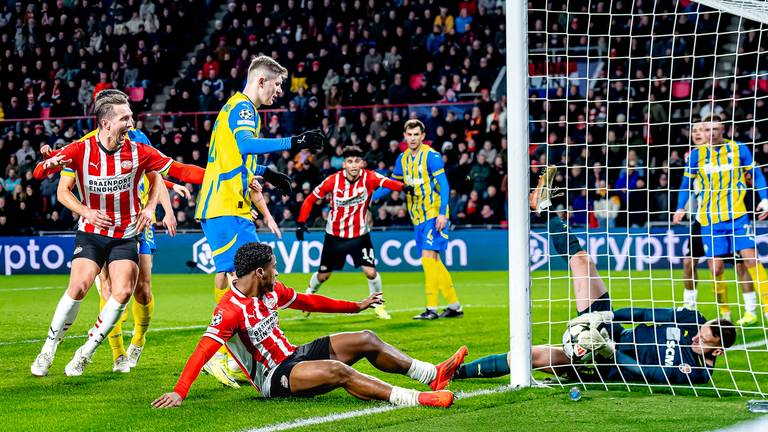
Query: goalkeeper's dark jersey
[660, 351]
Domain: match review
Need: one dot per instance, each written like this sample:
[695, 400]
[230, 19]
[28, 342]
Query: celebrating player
[108, 167]
[347, 231]
[224, 205]
[679, 346]
[695, 250]
[422, 168]
[246, 320]
[726, 228]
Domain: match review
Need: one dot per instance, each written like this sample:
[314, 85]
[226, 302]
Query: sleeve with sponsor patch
[75, 153]
[152, 159]
[285, 295]
[376, 180]
[243, 117]
[224, 324]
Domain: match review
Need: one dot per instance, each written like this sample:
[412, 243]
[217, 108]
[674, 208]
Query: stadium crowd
[621, 138]
[342, 57]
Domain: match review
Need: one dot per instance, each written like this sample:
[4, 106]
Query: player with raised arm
[669, 346]
[108, 167]
[246, 320]
[694, 251]
[726, 228]
[224, 206]
[421, 167]
[347, 232]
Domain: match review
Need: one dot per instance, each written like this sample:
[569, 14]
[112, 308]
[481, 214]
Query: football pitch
[103, 400]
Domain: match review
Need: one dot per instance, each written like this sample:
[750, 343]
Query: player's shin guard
[431, 281]
[760, 280]
[107, 319]
[142, 315]
[445, 282]
[374, 285]
[495, 365]
[721, 294]
[565, 244]
[63, 317]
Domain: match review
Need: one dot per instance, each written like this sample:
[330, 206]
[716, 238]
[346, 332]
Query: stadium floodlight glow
[756, 10]
[517, 185]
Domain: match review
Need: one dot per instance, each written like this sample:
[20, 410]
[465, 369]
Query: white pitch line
[753, 344]
[193, 327]
[41, 288]
[311, 421]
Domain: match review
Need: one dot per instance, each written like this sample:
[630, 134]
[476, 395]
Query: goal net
[621, 95]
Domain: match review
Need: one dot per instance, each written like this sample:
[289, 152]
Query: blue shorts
[727, 238]
[429, 238]
[147, 241]
[225, 235]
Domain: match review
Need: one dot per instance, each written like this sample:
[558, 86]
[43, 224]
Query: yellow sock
[721, 293]
[432, 281]
[760, 279]
[446, 283]
[218, 293]
[142, 315]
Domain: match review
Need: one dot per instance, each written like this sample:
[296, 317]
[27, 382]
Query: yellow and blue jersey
[224, 191]
[720, 172]
[422, 169]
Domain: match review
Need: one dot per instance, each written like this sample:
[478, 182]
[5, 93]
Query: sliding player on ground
[108, 168]
[670, 346]
[347, 232]
[422, 168]
[726, 228]
[224, 205]
[246, 320]
[694, 252]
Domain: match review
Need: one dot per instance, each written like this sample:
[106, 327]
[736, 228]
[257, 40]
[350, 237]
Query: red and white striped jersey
[350, 201]
[249, 326]
[109, 181]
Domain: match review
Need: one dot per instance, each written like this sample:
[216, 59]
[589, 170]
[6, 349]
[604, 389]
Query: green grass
[102, 400]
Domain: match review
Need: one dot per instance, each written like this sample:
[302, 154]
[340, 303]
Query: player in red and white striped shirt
[246, 320]
[108, 168]
[347, 230]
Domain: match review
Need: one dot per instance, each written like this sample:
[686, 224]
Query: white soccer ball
[571, 346]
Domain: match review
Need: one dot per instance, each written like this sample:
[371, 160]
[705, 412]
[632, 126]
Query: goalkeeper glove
[593, 318]
[279, 180]
[301, 228]
[312, 140]
[598, 342]
[762, 206]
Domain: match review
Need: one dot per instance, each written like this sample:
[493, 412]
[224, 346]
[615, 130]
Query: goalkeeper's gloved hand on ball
[301, 228]
[594, 319]
[598, 341]
[312, 140]
[279, 180]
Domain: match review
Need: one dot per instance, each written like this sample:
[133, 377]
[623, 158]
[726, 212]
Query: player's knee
[369, 339]
[338, 372]
[78, 289]
[370, 273]
[322, 277]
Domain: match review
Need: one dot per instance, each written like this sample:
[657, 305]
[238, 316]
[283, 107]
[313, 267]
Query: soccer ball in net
[573, 349]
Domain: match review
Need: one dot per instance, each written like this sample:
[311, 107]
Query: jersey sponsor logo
[710, 168]
[216, 319]
[246, 123]
[263, 328]
[685, 368]
[110, 184]
[212, 330]
[245, 114]
[673, 337]
[126, 164]
[352, 201]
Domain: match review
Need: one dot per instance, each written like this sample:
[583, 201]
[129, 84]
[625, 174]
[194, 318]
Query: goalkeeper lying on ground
[675, 346]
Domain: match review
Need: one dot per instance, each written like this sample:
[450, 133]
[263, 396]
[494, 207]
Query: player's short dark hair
[351, 151]
[725, 330]
[251, 256]
[414, 123]
[104, 104]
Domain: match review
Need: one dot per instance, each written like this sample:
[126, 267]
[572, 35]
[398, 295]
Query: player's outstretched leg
[115, 337]
[349, 348]
[315, 377]
[494, 365]
[84, 271]
[143, 308]
[217, 366]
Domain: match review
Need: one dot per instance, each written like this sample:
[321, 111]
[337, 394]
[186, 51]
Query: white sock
[403, 397]
[455, 306]
[421, 371]
[374, 285]
[104, 324]
[750, 301]
[690, 296]
[314, 283]
[66, 312]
